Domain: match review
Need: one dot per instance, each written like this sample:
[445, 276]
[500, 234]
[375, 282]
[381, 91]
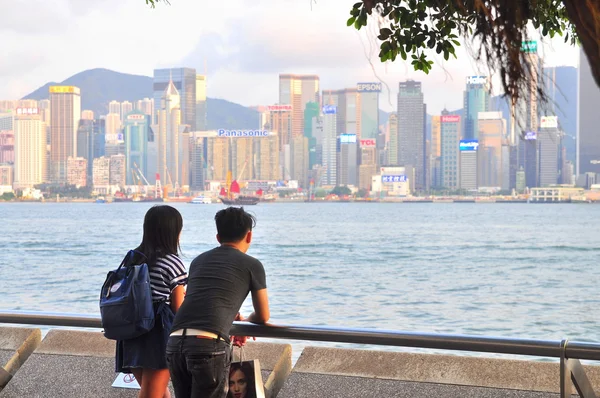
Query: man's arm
[260, 302]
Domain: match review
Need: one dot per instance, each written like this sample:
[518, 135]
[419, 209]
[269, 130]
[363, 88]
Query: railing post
[565, 373]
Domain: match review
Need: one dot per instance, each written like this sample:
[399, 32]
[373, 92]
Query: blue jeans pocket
[207, 370]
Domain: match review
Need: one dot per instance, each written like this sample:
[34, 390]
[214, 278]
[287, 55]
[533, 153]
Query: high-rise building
[280, 122]
[242, 158]
[528, 159]
[347, 160]
[526, 112]
[136, 128]
[411, 130]
[492, 133]
[329, 145]
[449, 161]
[468, 164]
[197, 162]
[201, 114]
[561, 88]
[393, 144]
[6, 120]
[184, 80]
[311, 113]
[297, 91]
[219, 158]
[99, 138]
[126, 107]
[6, 175]
[549, 139]
[86, 143]
[113, 127]
[169, 121]
[114, 107]
[146, 106]
[101, 172]
[76, 171]
[117, 170]
[348, 114]
[7, 146]
[588, 128]
[477, 99]
[30, 148]
[435, 152]
[267, 158]
[65, 110]
[87, 115]
[299, 152]
[368, 94]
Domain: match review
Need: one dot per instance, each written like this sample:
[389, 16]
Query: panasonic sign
[242, 133]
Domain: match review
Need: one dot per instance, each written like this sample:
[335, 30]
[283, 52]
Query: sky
[242, 45]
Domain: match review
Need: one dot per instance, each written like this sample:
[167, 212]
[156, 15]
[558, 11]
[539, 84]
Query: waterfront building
[29, 148]
[297, 91]
[549, 139]
[329, 145]
[65, 111]
[491, 133]
[77, 172]
[136, 131]
[6, 176]
[169, 121]
[393, 145]
[117, 171]
[101, 172]
[468, 164]
[7, 145]
[435, 152]
[267, 158]
[347, 160]
[476, 100]
[449, 150]
[411, 130]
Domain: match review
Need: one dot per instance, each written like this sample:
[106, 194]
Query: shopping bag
[126, 380]
[245, 379]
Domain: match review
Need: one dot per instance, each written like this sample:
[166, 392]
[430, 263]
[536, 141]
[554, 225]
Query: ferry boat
[100, 199]
[200, 200]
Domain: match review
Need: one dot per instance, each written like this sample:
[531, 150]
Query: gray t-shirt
[219, 281]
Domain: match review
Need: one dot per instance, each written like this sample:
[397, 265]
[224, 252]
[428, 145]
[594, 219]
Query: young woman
[241, 381]
[145, 356]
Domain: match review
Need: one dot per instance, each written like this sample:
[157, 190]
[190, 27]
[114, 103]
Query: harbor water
[510, 270]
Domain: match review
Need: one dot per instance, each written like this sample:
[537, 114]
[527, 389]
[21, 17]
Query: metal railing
[569, 352]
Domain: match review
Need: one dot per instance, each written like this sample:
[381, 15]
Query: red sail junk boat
[231, 196]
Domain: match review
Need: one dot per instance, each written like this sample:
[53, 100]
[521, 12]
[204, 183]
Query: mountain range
[100, 86]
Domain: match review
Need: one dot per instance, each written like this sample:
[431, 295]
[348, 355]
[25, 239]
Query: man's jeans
[199, 367]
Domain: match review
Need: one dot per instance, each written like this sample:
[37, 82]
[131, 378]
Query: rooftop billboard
[468, 145]
[348, 138]
[368, 87]
[242, 133]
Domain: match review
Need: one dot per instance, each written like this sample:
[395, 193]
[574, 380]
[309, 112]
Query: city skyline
[242, 74]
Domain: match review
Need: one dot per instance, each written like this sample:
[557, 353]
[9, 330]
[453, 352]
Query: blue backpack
[126, 301]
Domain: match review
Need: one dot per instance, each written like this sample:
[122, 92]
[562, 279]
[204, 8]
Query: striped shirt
[165, 275]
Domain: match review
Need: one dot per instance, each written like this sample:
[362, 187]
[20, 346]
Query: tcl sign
[370, 143]
[450, 118]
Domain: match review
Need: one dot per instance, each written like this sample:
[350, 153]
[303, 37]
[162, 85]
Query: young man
[219, 280]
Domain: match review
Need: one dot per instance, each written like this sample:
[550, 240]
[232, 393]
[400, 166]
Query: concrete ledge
[494, 373]
[275, 363]
[16, 345]
[69, 364]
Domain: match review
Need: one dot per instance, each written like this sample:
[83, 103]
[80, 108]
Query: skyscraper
[393, 144]
[169, 120]
[280, 122]
[449, 161]
[329, 145]
[561, 87]
[347, 103]
[126, 107]
[146, 105]
[368, 94]
[114, 107]
[549, 144]
[435, 151]
[477, 99]
[526, 111]
[492, 132]
[588, 128]
[411, 130]
[87, 115]
[201, 115]
[267, 163]
[468, 164]
[65, 110]
[219, 158]
[311, 112]
[184, 80]
[86, 143]
[30, 148]
[347, 160]
[76, 171]
[297, 91]
[136, 129]
[299, 151]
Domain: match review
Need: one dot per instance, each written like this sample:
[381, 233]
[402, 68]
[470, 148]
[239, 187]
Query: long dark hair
[162, 226]
[248, 372]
